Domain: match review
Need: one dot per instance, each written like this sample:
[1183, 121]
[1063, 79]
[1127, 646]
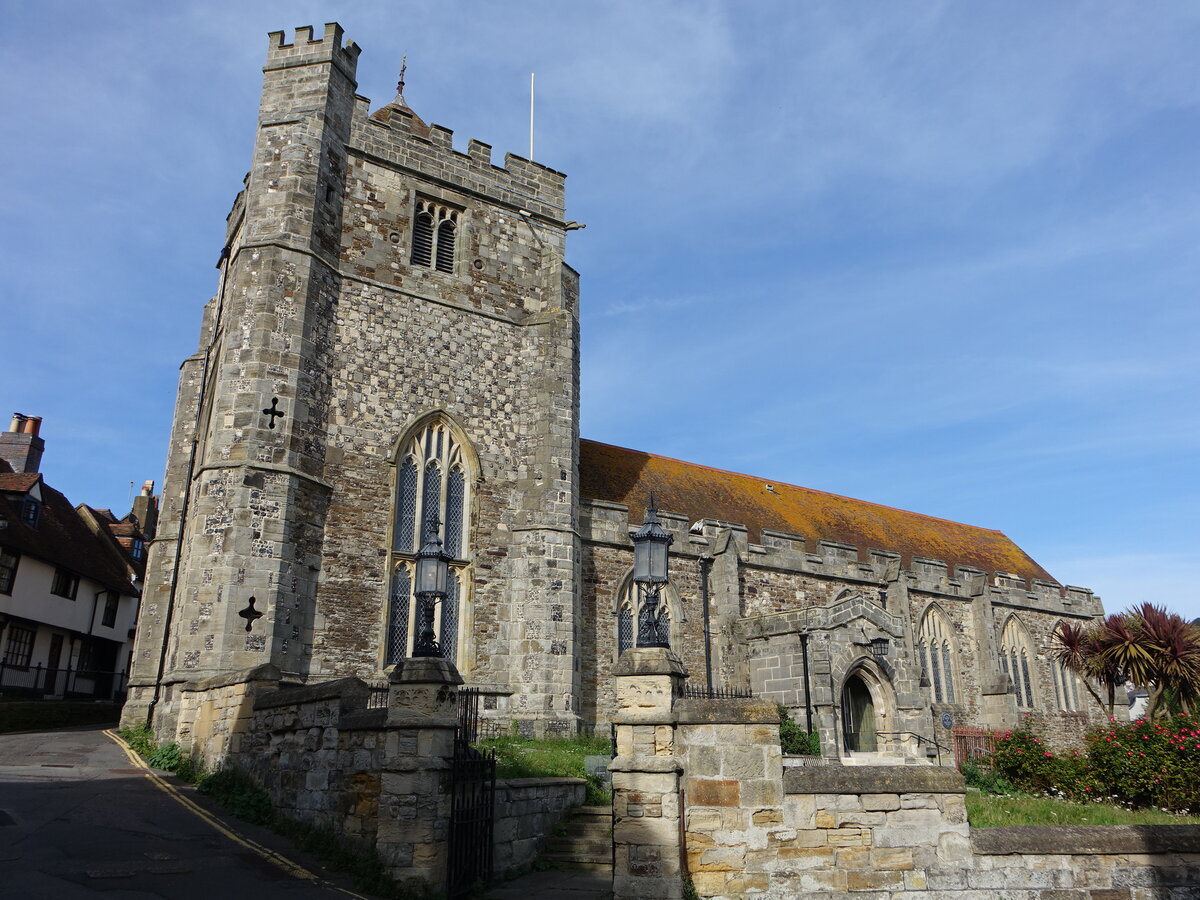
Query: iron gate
[472, 803]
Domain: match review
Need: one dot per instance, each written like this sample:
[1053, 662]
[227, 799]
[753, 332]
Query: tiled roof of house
[61, 536]
[626, 476]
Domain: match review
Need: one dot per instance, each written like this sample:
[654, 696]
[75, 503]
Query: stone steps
[586, 843]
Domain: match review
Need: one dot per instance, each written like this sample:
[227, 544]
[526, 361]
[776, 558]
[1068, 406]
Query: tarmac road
[79, 819]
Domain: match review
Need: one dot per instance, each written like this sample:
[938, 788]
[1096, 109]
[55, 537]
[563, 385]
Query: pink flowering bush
[1146, 763]
[1138, 763]
[1023, 758]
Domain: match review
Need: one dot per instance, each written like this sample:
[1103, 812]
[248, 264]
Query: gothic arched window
[1066, 687]
[432, 485]
[1016, 660]
[935, 646]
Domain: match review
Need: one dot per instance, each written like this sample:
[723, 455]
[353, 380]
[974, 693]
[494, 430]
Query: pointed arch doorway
[858, 716]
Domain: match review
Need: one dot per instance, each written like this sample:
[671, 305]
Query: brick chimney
[20, 446]
[145, 509]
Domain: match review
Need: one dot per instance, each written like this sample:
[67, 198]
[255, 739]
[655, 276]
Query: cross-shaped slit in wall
[274, 412]
[250, 614]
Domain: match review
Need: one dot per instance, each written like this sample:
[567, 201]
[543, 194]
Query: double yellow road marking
[277, 859]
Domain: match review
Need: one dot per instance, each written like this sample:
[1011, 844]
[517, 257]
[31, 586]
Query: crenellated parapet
[608, 523]
[307, 50]
[397, 136]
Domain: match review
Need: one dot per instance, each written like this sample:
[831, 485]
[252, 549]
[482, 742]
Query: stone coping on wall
[362, 719]
[265, 672]
[700, 711]
[341, 689]
[1086, 839]
[873, 780]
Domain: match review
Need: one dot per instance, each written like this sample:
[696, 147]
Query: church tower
[394, 342]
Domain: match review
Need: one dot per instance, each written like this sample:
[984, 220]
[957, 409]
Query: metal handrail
[921, 739]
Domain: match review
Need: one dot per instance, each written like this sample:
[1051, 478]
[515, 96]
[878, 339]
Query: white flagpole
[531, 116]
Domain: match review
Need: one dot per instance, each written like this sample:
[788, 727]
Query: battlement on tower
[307, 50]
[395, 135]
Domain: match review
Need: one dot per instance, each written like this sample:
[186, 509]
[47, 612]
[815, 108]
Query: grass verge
[555, 757]
[992, 811]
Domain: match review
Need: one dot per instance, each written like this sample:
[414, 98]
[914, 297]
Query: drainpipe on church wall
[705, 565]
[807, 683]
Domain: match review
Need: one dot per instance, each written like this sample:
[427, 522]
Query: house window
[1015, 654]
[138, 550]
[935, 647]
[435, 230]
[111, 601]
[65, 584]
[431, 487]
[8, 571]
[31, 511]
[20, 646]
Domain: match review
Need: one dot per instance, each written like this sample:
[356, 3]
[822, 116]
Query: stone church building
[393, 340]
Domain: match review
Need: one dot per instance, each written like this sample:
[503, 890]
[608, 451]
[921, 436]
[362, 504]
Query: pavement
[80, 819]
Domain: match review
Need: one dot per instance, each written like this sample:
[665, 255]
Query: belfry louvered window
[1015, 653]
[935, 647]
[435, 230]
[432, 489]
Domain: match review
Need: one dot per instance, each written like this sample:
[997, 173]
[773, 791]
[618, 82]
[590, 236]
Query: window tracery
[935, 647]
[1015, 654]
[431, 487]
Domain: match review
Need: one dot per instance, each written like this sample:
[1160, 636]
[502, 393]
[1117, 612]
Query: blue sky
[941, 256]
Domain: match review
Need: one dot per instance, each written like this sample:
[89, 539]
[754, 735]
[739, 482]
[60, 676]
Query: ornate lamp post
[650, 555]
[433, 574]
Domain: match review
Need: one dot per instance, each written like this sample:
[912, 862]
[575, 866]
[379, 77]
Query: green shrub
[794, 739]
[984, 778]
[140, 739]
[167, 757]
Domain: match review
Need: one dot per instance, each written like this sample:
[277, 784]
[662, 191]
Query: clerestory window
[435, 231]
[431, 486]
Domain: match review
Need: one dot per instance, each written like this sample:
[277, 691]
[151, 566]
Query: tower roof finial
[400, 83]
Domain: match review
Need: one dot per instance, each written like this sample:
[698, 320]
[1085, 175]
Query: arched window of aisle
[434, 472]
[1017, 660]
[936, 648]
[1066, 684]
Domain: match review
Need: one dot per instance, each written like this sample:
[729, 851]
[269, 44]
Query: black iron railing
[703, 692]
[378, 697]
[43, 683]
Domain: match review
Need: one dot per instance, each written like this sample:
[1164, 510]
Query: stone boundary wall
[527, 811]
[701, 794]
[376, 776]
[892, 833]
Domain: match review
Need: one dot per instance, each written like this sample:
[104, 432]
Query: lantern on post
[650, 573]
[432, 577]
